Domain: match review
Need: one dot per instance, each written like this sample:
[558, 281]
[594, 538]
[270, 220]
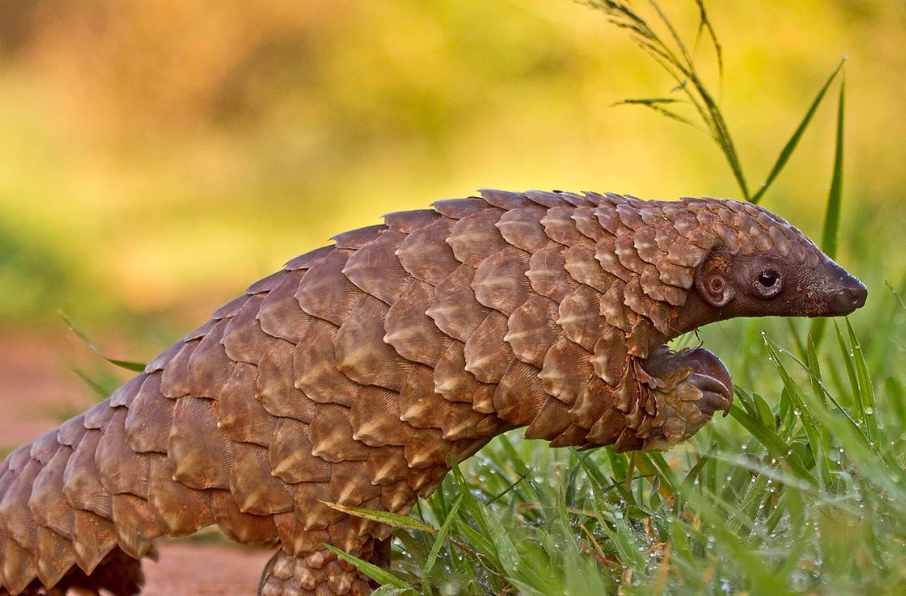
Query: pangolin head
[759, 265]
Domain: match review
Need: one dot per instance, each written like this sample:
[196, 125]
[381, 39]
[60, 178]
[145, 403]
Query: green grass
[800, 491]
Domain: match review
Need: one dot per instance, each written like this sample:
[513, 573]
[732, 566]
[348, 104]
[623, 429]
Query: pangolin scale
[357, 373]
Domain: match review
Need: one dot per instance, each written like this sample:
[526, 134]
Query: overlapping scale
[356, 374]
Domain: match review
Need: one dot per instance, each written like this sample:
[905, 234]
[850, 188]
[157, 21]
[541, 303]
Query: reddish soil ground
[204, 570]
[37, 392]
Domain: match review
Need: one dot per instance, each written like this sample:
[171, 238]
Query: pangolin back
[355, 374]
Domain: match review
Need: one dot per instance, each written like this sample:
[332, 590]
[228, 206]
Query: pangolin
[356, 374]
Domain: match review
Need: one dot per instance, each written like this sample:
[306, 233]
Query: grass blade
[441, 536]
[866, 390]
[133, 366]
[834, 199]
[790, 146]
[832, 217]
[802, 412]
[772, 442]
[385, 517]
[382, 576]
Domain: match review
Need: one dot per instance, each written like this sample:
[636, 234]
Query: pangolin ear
[713, 280]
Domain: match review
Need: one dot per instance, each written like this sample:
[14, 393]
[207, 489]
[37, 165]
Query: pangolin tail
[57, 528]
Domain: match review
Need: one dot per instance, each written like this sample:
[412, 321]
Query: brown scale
[547, 273]
[47, 503]
[291, 457]
[209, 367]
[376, 419]
[266, 284]
[560, 226]
[177, 509]
[149, 418]
[200, 453]
[533, 329]
[487, 354]
[410, 330]
[243, 339]
[455, 310]
[315, 367]
[309, 259]
[475, 237]
[361, 352]
[134, 525]
[410, 221]
[567, 368]
[325, 292]
[425, 254]
[500, 282]
[121, 469]
[276, 388]
[239, 414]
[356, 374]
[128, 391]
[451, 379]
[376, 269]
[580, 318]
[252, 484]
[174, 381]
[280, 315]
[522, 228]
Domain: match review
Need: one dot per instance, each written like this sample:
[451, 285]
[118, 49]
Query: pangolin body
[356, 374]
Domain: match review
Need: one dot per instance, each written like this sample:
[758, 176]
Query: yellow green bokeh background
[156, 157]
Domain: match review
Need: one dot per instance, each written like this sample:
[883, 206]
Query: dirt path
[204, 570]
[38, 391]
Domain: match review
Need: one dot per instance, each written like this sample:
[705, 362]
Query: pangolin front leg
[355, 375]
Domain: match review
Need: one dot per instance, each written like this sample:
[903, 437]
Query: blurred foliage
[155, 158]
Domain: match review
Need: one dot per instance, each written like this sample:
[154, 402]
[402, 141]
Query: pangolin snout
[847, 292]
[851, 297]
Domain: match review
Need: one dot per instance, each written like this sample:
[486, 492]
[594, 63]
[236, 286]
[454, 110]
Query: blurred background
[155, 158]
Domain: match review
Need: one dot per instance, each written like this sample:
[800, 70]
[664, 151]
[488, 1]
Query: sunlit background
[157, 157]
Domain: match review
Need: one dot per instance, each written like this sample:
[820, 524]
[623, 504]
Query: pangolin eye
[767, 278]
[768, 283]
